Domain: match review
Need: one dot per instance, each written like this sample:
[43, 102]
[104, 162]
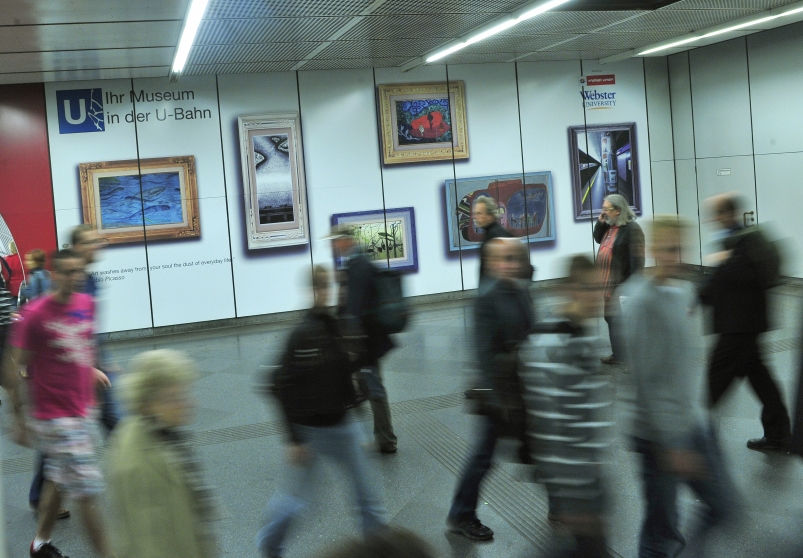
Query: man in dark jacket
[737, 292]
[360, 301]
[621, 254]
[503, 320]
[485, 215]
[315, 390]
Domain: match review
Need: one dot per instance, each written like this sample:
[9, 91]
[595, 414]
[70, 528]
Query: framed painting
[386, 237]
[526, 208]
[274, 188]
[423, 122]
[604, 161]
[127, 201]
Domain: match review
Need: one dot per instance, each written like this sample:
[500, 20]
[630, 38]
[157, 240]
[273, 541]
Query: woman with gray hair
[621, 254]
[161, 505]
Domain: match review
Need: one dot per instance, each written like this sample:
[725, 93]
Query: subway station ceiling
[62, 40]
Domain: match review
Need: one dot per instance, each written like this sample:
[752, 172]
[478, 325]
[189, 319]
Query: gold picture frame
[423, 122]
[129, 201]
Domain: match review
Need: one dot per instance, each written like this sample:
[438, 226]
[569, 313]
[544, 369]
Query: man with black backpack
[361, 297]
[314, 386]
[748, 266]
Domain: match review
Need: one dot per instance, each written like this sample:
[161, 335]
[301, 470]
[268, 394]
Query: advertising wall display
[604, 162]
[526, 208]
[423, 122]
[125, 200]
[386, 237]
[275, 192]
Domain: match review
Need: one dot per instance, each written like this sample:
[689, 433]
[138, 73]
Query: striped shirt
[5, 307]
[569, 407]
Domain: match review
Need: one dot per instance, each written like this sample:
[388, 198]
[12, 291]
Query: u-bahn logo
[80, 110]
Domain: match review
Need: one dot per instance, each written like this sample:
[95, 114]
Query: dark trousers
[378, 398]
[660, 535]
[109, 417]
[613, 312]
[737, 355]
[464, 506]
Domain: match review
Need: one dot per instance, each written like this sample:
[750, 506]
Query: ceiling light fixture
[191, 23]
[497, 27]
[744, 25]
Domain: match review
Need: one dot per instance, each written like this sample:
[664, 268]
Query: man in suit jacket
[361, 298]
[738, 295]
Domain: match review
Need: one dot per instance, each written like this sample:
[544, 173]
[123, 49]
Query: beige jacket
[153, 505]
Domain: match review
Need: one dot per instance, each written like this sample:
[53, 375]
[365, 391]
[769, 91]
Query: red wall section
[26, 197]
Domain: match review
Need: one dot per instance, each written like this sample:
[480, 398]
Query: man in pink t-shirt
[54, 340]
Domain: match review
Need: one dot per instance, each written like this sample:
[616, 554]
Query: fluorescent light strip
[194, 17]
[504, 25]
[722, 31]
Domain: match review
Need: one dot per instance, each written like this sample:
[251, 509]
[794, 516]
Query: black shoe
[387, 449]
[471, 529]
[47, 550]
[609, 360]
[768, 445]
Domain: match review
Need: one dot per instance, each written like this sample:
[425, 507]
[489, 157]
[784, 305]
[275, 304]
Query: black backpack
[314, 377]
[391, 311]
[765, 254]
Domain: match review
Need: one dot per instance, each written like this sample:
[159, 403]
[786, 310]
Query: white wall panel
[781, 204]
[776, 79]
[265, 280]
[176, 291]
[688, 207]
[721, 98]
[492, 113]
[125, 303]
[680, 96]
[659, 112]
[550, 104]
[421, 186]
[663, 188]
[341, 148]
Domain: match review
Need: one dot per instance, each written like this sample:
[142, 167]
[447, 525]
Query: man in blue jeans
[314, 386]
[671, 429]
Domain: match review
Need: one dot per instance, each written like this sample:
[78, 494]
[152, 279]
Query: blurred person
[503, 319]
[12, 265]
[389, 543]
[359, 298]
[621, 254]
[160, 503]
[485, 215]
[315, 389]
[672, 431]
[569, 405]
[37, 283]
[85, 244]
[54, 340]
[737, 293]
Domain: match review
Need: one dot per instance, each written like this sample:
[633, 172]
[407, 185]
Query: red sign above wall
[596, 81]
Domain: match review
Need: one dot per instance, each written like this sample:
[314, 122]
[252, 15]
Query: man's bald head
[725, 209]
[505, 257]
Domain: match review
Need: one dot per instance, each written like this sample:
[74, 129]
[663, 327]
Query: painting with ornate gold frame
[423, 122]
[128, 201]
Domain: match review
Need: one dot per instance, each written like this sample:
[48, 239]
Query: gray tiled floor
[425, 377]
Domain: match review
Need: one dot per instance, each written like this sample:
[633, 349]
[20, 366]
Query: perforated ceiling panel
[240, 31]
[258, 9]
[241, 36]
[445, 26]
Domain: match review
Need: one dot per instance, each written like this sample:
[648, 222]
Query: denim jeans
[378, 398]
[341, 443]
[464, 506]
[660, 536]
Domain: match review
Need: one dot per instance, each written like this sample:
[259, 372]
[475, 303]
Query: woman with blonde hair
[162, 506]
